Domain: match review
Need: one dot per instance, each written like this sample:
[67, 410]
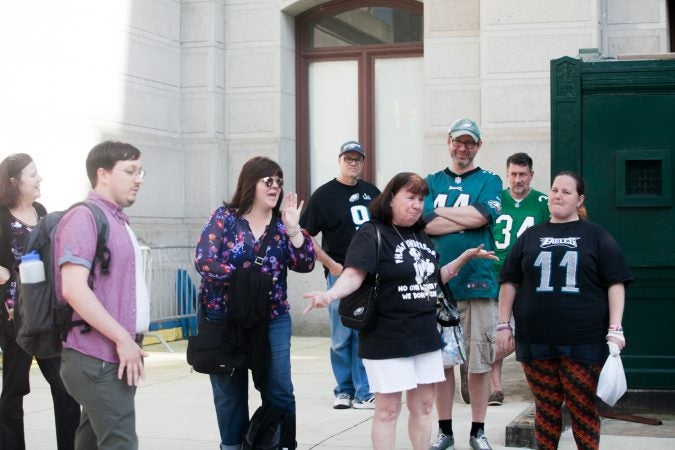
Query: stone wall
[200, 86]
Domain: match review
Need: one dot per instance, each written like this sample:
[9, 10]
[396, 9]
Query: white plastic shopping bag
[612, 382]
[453, 346]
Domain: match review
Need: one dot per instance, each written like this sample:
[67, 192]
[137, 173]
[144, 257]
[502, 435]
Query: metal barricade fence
[172, 286]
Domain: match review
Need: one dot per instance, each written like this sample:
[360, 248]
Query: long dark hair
[10, 168]
[380, 207]
[251, 172]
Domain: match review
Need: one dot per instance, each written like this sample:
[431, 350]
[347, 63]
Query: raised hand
[290, 215]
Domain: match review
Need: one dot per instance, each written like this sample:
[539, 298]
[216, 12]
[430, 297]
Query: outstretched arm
[452, 268]
[350, 280]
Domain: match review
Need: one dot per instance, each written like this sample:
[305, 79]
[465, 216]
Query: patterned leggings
[551, 382]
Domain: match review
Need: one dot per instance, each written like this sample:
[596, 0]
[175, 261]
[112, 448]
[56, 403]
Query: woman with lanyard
[402, 352]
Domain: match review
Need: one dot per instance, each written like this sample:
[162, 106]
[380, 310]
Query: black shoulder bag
[357, 310]
[213, 350]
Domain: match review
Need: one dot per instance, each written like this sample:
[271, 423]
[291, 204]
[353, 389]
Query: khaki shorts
[479, 322]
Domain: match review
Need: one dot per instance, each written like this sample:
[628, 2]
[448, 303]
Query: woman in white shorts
[402, 351]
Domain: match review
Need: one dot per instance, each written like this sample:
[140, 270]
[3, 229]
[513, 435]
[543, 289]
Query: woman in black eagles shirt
[402, 352]
[565, 282]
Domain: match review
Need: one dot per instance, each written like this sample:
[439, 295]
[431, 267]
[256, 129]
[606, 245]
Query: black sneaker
[480, 442]
[443, 442]
[496, 398]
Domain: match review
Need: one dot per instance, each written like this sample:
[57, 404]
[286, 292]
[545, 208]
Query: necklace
[403, 240]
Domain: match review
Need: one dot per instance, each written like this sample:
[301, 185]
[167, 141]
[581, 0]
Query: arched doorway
[359, 76]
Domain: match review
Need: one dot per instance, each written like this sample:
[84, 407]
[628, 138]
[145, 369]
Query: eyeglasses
[469, 145]
[140, 173]
[269, 181]
[356, 160]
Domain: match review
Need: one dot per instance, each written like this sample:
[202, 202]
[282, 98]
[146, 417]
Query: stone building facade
[200, 86]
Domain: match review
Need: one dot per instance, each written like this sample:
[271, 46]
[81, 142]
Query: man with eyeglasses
[463, 203]
[337, 209]
[102, 360]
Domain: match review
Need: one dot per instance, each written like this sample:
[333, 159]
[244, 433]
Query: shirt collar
[111, 207]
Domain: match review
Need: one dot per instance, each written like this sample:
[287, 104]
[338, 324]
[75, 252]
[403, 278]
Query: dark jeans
[230, 392]
[15, 384]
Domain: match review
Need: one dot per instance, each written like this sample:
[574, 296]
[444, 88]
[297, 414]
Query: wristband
[451, 274]
[290, 235]
[504, 326]
[617, 335]
[615, 328]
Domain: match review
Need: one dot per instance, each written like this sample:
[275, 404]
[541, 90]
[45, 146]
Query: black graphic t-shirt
[563, 271]
[406, 311]
[337, 210]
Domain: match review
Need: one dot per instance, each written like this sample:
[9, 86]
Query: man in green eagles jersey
[522, 207]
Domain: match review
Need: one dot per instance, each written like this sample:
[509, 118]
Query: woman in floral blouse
[230, 240]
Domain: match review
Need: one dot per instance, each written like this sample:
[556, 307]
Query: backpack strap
[101, 256]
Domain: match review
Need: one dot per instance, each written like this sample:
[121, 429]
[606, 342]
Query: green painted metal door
[614, 122]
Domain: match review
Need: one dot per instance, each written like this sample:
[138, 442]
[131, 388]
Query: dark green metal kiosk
[614, 122]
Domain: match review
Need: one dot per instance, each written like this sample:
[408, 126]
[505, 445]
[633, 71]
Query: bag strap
[447, 293]
[101, 256]
[262, 251]
[377, 262]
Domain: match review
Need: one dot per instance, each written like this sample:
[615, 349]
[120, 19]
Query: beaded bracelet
[290, 235]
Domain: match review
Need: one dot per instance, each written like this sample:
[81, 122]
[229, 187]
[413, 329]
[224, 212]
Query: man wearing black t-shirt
[337, 209]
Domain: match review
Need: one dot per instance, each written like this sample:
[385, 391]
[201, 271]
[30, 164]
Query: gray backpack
[42, 322]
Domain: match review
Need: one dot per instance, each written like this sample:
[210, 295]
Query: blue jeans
[348, 369]
[230, 392]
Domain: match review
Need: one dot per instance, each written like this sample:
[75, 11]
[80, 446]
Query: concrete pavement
[175, 410]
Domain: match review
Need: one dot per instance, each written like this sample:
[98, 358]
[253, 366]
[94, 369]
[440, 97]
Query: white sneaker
[342, 401]
[364, 404]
